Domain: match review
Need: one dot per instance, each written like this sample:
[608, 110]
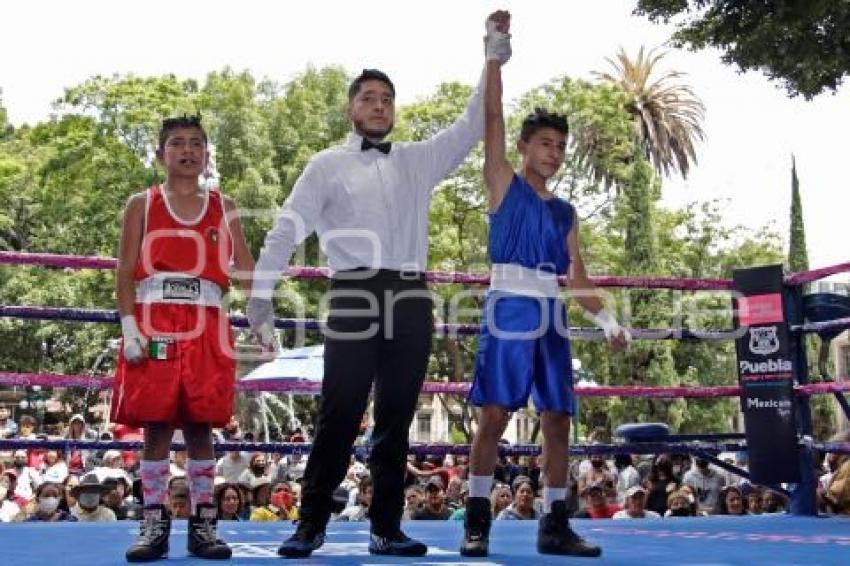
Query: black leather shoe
[476, 527]
[397, 544]
[307, 538]
[554, 535]
[154, 530]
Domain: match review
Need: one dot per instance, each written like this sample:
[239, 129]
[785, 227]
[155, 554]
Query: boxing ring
[799, 537]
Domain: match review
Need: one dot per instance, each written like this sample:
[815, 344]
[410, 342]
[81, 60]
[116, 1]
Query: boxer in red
[176, 367]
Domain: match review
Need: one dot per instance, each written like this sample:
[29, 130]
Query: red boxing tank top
[202, 248]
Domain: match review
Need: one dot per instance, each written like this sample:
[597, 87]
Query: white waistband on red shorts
[178, 289]
[513, 278]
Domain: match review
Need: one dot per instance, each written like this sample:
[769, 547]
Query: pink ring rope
[300, 272]
[682, 283]
[304, 387]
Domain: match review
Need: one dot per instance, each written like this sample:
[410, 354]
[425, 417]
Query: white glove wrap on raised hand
[609, 325]
[134, 341]
[497, 45]
[261, 319]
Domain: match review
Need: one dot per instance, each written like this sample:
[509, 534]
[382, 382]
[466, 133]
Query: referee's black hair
[369, 75]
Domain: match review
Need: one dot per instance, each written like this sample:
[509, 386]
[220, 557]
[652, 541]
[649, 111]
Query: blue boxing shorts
[524, 348]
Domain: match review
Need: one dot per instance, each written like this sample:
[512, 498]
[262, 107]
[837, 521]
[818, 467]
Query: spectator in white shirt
[232, 465]
[28, 478]
[8, 427]
[9, 510]
[56, 470]
[635, 505]
[627, 475]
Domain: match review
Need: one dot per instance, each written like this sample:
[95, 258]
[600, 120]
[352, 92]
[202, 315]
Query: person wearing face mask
[47, 498]
[679, 504]
[89, 507]
[281, 505]
[256, 469]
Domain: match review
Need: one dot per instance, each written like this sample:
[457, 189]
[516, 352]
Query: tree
[816, 350]
[668, 115]
[804, 45]
[6, 128]
[798, 256]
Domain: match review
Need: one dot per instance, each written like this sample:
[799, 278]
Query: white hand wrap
[609, 325]
[261, 319]
[497, 45]
[134, 341]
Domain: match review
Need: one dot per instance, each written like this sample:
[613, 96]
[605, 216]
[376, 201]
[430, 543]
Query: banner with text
[765, 372]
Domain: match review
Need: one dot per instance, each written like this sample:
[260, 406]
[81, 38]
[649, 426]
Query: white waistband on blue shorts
[178, 289]
[513, 278]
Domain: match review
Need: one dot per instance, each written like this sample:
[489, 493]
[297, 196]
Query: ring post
[765, 356]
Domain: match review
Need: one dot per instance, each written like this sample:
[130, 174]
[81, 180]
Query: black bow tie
[383, 147]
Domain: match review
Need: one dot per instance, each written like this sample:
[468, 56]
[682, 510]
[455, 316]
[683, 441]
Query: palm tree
[668, 114]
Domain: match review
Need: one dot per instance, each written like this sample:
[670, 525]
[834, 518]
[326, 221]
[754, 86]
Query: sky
[752, 127]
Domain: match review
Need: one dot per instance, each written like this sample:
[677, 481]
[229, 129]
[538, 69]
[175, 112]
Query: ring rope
[239, 321]
[424, 449]
[304, 387]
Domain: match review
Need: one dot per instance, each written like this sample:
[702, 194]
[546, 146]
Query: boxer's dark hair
[542, 118]
[184, 121]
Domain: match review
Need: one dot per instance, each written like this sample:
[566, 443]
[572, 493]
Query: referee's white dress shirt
[369, 209]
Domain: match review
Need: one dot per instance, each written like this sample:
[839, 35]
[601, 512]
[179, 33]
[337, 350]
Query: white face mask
[48, 504]
[89, 500]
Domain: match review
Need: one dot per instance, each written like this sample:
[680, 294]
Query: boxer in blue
[524, 347]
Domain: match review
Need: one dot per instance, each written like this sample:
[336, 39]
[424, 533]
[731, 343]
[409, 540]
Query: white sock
[551, 495]
[480, 486]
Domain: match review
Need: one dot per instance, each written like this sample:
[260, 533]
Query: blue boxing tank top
[530, 231]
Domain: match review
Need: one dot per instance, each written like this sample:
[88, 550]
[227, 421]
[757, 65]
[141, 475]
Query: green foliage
[802, 44]
[6, 128]
[63, 184]
[798, 256]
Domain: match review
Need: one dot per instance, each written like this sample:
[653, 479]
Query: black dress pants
[379, 331]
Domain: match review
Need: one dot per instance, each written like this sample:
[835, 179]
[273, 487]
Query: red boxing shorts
[189, 374]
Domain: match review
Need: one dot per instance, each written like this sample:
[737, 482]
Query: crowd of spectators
[94, 485]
